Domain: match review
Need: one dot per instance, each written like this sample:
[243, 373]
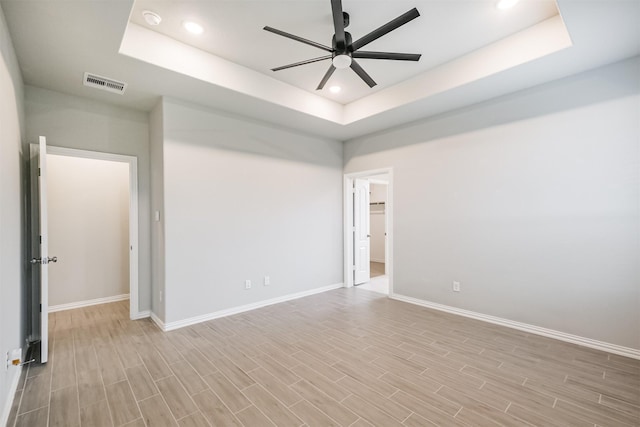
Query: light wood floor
[347, 357]
[376, 269]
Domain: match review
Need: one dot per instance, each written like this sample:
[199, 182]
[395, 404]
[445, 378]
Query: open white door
[39, 249]
[362, 235]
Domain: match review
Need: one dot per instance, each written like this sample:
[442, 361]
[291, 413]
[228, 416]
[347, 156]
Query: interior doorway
[368, 238]
[93, 228]
[37, 294]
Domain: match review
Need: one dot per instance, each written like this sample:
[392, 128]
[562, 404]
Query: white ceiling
[471, 52]
[444, 31]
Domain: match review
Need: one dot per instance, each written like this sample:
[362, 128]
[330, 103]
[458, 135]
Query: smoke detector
[152, 18]
[104, 83]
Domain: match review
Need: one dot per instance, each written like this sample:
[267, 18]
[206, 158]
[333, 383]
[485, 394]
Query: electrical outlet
[247, 284]
[456, 286]
[13, 357]
[267, 281]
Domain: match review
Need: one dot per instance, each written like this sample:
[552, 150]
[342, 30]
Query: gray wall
[244, 200]
[12, 222]
[157, 205]
[530, 200]
[72, 122]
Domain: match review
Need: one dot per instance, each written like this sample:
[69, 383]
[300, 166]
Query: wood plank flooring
[376, 269]
[348, 357]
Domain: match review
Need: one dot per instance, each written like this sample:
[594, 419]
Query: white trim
[240, 309]
[134, 307]
[157, 321]
[43, 219]
[134, 312]
[142, 315]
[348, 223]
[378, 181]
[633, 353]
[87, 303]
[6, 411]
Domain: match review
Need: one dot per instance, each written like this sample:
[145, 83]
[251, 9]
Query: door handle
[43, 261]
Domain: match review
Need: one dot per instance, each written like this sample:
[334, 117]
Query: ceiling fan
[344, 52]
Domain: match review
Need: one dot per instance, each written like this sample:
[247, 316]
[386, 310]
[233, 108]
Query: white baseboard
[87, 303]
[157, 321]
[240, 309]
[6, 410]
[141, 315]
[633, 353]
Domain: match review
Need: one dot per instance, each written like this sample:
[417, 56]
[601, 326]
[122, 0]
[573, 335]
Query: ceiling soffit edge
[527, 45]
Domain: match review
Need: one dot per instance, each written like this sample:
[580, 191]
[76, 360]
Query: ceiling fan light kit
[341, 61]
[344, 52]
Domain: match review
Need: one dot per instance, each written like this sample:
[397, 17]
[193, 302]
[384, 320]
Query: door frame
[134, 309]
[348, 223]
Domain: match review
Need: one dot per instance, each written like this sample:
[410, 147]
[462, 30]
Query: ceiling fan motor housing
[344, 50]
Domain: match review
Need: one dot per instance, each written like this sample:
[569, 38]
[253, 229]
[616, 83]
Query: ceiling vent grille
[104, 83]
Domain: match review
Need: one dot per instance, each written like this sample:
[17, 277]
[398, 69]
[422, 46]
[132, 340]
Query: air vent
[104, 83]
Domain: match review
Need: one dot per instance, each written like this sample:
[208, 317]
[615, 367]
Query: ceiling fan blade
[296, 38]
[386, 28]
[338, 23]
[362, 73]
[308, 61]
[387, 55]
[326, 77]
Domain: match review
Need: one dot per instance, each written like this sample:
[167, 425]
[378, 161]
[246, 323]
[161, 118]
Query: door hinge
[353, 267]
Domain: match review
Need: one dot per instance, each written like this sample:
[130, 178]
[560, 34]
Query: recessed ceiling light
[506, 4]
[152, 18]
[192, 27]
[335, 89]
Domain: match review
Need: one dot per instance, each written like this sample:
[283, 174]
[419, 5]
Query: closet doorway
[368, 230]
[93, 228]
